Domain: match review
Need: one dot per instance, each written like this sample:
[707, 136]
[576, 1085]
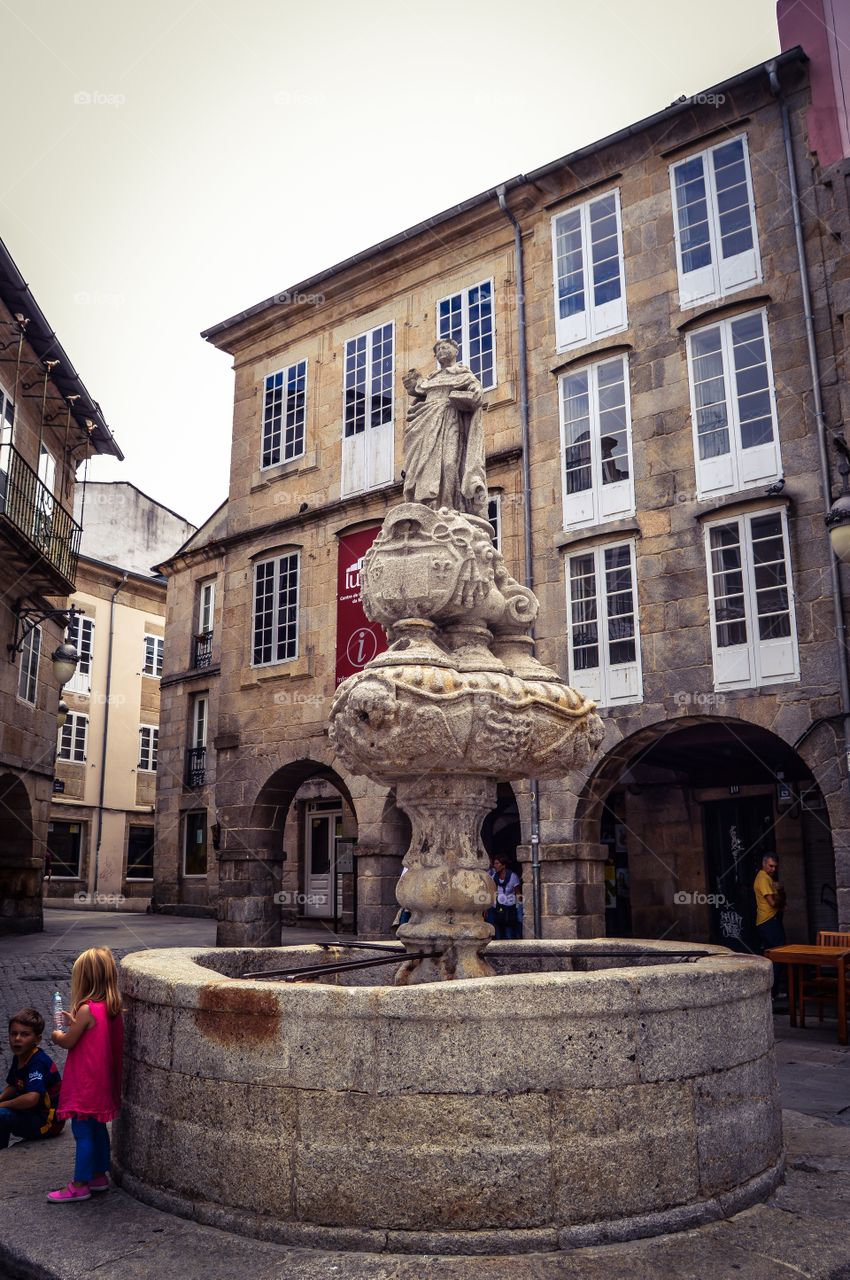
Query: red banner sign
[357, 639]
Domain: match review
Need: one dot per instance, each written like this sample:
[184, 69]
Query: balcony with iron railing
[196, 766]
[202, 650]
[42, 539]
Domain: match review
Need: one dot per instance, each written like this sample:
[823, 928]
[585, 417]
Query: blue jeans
[19, 1124]
[772, 934]
[92, 1139]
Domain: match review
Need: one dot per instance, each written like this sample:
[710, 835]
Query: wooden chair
[821, 986]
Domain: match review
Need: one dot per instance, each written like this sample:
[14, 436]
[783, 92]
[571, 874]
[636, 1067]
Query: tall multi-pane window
[468, 318]
[206, 607]
[494, 515]
[604, 643]
[736, 442]
[140, 850]
[596, 441]
[152, 657]
[284, 414]
[72, 738]
[754, 635]
[276, 609]
[80, 634]
[7, 423]
[28, 674]
[716, 241]
[367, 444]
[590, 293]
[148, 747]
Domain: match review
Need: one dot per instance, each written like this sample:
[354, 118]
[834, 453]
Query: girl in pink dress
[91, 1084]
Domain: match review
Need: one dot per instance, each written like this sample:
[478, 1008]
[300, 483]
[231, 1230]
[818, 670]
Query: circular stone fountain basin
[572, 1099]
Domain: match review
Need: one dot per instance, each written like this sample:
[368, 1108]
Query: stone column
[446, 888]
[572, 890]
[249, 880]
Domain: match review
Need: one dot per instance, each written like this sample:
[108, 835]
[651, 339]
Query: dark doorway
[618, 906]
[738, 833]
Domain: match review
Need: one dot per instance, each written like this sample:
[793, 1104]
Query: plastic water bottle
[58, 1023]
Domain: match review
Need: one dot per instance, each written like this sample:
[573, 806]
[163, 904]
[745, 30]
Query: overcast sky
[166, 164]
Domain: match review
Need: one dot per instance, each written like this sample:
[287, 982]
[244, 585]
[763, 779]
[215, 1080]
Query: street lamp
[838, 516]
[62, 714]
[64, 656]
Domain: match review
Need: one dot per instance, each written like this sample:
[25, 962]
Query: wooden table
[797, 957]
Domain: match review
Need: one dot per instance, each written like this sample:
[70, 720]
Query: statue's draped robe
[444, 442]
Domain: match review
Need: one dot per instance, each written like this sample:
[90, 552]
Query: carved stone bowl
[401, 721]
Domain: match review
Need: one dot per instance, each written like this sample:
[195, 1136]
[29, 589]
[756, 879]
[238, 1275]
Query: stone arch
[682, 789]
[20, 872]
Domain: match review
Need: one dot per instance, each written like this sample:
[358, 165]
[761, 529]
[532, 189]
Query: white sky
[229, 150]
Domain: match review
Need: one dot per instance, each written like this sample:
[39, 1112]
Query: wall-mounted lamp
[64, 656]
[838, 516]
[62, 714]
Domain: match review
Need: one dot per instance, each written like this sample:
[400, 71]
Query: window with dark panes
[284, 414]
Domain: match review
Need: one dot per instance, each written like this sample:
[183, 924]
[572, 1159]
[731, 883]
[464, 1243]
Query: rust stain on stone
[233, 1016]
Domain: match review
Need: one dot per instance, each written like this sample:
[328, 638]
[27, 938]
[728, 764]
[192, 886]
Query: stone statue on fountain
[458, 702]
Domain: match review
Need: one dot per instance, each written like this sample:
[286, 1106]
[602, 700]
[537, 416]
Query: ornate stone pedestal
[457, 703]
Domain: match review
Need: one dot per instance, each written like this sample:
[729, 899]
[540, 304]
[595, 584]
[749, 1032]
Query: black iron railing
[196, 766]
[27, 503]
[202, 656]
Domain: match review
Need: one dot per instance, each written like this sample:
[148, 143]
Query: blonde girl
[91, 1084]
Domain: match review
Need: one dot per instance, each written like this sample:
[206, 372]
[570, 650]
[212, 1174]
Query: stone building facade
[675, 510]
[49, 424]
[101, 827]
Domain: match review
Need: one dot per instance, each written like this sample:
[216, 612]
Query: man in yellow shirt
[770, 904]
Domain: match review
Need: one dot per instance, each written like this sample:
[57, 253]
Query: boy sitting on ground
[28, 1103]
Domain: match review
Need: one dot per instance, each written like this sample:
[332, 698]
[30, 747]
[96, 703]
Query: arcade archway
[685, 811]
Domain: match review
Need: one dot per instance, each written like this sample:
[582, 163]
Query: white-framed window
[72, 738]
[604, 638]
[590, 290]
[7, 432]
[733, 408]
[597, 477]
[148, 747]
[45, 501]
[80, 634]
[494, 515]
[152, 656]
[275, 636]
[206, 607]
[367, 434]
[284, 414]
[717, 248]
[28, 674]
[467, 317]
[753, 626]
[200, 721]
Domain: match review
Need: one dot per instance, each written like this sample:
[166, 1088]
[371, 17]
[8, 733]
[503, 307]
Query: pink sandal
[68, 1193]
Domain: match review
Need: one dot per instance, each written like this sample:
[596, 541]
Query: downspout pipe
[526, 487]
[817, 404]
[94, 871]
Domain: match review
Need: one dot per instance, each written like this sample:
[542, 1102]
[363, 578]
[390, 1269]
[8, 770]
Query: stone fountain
[486, 1097]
